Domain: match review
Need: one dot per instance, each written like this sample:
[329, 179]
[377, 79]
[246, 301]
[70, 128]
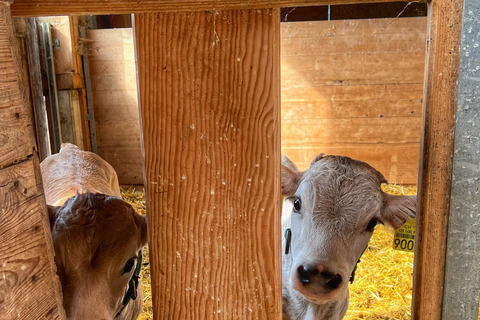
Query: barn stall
[433, 8]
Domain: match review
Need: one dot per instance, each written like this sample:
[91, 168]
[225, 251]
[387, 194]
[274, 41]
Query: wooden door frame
[439, 104]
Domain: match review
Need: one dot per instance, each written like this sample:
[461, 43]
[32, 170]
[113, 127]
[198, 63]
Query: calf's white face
[337, 203]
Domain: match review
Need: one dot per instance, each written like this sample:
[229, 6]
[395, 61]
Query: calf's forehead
[342, 187]
[111, 229]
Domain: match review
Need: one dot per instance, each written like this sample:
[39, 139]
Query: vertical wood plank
[16, 143]
[29, 286]
[35, 76]
[209, 95]
[440, 94]
[462, 267]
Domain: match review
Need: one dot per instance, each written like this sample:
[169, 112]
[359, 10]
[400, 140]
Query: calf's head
[337, 203]
[96, 239]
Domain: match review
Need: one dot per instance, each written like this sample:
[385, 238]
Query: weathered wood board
[29, 286]
[29, 8]
[210, 122]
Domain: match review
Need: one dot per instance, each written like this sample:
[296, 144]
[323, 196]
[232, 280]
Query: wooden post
[29, 286]
[209, 96]
[439, 105]
[462, 268]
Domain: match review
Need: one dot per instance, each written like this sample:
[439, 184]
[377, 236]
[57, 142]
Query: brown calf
[96, 235]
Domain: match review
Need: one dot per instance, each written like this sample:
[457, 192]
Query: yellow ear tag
[404, 239]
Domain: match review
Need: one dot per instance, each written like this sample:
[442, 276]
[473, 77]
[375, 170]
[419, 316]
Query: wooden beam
[29, 286]
[28, 8]
[440, 94]
[210, 116]
[462, 268]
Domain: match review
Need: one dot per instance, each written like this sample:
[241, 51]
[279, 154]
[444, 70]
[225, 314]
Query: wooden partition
[354, 88]
[210, 109]
[215, 242]
[29, 287]
[115, 101]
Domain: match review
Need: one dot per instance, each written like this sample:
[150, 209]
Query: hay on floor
[383, 284]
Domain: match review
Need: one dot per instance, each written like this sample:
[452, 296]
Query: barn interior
[352, 83]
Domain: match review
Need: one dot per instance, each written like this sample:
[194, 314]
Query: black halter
[131, 293]
[288, 241]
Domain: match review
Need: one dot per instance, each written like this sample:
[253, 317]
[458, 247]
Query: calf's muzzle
[318, 276]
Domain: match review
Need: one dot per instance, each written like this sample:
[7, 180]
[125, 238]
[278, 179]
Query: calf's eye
[297, 205]
[371, 225]
[129, 265]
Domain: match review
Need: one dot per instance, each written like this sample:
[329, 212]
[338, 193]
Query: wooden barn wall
[29, 286]
[114, 88]
[349, 87]
[354, 88]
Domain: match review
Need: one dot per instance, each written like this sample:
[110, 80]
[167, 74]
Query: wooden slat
[29, 286]
[16, 138]
[444, 28]
[359, 130]
[92, 7]
[371, 108]
[38, 103]
[210, 117]
[398, 162]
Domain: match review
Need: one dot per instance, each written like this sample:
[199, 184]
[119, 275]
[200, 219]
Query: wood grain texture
[16, 136]
[29, 8]
[29, 287]
[38, 104]
[209, 94]
[354, 88]
[398, 162]
[437, 147]
[115, 100]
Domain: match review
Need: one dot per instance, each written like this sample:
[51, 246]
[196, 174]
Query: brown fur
[94, 234]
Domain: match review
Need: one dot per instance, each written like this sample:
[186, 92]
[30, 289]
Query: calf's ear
[398, 209]
[52, 215]
[290, 181]
[143, 229]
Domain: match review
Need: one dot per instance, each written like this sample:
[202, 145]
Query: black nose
[306, 274]
[333, 281]
[328, 279]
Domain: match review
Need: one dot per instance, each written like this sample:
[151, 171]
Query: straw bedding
[383, 284]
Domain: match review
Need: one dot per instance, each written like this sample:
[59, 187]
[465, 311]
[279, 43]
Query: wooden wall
[29, 286]
[350, 87]
[354, 87]
[114, 88]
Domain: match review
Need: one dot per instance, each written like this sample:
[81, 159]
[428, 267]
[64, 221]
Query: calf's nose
[309, 274]
[306, 274]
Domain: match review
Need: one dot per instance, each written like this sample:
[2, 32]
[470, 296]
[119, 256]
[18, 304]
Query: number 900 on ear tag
[404, 239]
